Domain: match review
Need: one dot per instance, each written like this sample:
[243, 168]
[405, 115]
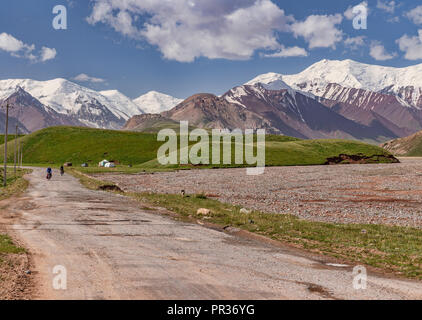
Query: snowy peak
[270, 81]
[119, 101]
[405, 83]
[156, 102]
[70, 99]
[33, 115]
[352, 74]
[105, 109]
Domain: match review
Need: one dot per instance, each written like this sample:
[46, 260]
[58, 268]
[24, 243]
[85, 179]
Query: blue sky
[190, 46]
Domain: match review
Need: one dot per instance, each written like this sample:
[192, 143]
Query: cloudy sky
[182, 47]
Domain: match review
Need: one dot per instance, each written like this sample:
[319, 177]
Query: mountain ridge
[410, 146]
[404, 83]
[329, 99]
[33, 115]
[156, 102]
[108, 109]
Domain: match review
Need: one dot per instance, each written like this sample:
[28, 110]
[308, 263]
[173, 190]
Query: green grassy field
[57, 145]
[10, 137]
[78, 145]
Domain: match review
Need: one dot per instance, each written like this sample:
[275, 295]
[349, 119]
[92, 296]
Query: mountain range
[330, 99]
[40, 104]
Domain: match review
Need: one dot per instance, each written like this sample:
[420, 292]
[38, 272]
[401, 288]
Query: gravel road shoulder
[388, 194]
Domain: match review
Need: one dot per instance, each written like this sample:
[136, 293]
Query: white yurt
[110, 165]
[103, 163]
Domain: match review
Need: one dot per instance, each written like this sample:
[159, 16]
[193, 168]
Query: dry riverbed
[388, 194]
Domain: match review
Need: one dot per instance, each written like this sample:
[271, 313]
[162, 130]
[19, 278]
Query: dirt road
[113, 249]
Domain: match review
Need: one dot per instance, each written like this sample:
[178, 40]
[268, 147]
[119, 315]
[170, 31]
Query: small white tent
[110, 165]
[103, 163]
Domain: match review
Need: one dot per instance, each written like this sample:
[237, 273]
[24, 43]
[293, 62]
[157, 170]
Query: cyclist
[49, 173]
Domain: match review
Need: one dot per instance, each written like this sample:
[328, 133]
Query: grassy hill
[10, 137]
[155, 125]
[57, 145]
[410, 146]
[287, 151]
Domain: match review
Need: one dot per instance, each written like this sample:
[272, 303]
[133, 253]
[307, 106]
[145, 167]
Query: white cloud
[412, 46]
[320, 31]
[415, 15]
[386, 6]
[86, 78]
[355, 42]
[48, 54]
[14, 46]
[288, 52]
[378, 52]
[19, 49]
[9, 43]
[349, 15]
[184, 30]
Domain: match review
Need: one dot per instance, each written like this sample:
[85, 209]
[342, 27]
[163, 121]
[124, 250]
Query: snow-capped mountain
[108, 109]
[270, 81]
[327, 79]
[33, 115]
[303, 116]
[404, 83]
[156, 102]
[90, 107]
[274, 81]
[331, 99]
[120, 102]
[390, 97]
[277, 110]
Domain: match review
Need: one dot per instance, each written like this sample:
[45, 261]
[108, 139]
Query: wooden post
[5, 147]
[16, 142]
[19, 153]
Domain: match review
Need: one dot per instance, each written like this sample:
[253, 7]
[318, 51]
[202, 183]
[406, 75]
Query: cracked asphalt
[112, 248]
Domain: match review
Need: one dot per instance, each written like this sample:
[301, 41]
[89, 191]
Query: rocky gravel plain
[388, 194]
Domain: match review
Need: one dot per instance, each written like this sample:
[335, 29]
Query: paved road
[114, 249]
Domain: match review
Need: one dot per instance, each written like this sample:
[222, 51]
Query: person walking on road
[62, 171]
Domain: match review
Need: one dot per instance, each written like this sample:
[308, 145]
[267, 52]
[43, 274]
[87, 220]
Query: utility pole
[5, 147]
[16, 142]
[21, 154]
